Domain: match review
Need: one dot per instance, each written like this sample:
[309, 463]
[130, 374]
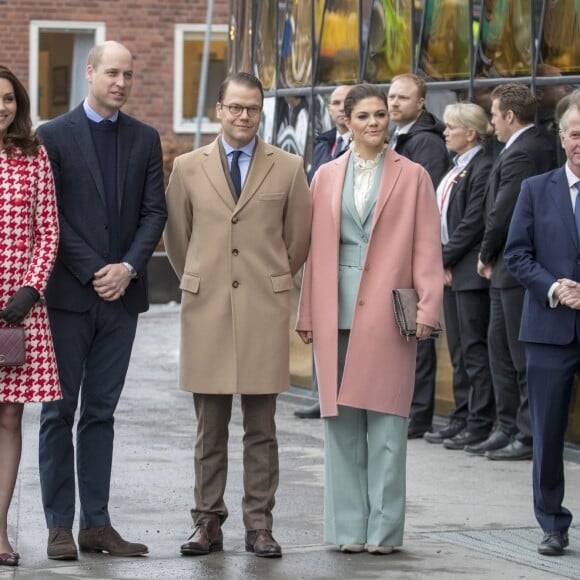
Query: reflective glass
[389, 40]
[240, 33]
[505, 43]
[295, 43]
[560, 41]
[265, 55]
[339, 60]
[445, 43]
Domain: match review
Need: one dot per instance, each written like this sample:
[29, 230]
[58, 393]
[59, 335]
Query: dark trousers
[261, 471]
[466, 323]
[507, 358]
[550, 380]
[423, 404]
[93, 349]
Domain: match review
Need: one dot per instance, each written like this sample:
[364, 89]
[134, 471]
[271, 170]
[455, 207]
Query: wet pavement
[467, 517]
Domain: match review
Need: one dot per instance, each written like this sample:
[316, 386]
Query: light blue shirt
[244, 159]
[95, 117]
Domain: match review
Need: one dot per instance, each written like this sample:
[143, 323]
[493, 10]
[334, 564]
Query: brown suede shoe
[61, 544]
[107, 539]
[207, 537]
[263, 544]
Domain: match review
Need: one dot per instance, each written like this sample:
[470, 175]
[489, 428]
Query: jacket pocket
[272, 196]
[282, 282]
[190, 283]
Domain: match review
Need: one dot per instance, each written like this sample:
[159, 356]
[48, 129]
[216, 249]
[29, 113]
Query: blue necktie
[235, 172]
[577, 209]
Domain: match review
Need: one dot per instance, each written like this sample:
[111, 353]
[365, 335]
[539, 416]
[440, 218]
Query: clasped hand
[111, 281]
[568, 293]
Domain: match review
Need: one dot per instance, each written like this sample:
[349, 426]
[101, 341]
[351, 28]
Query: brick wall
[146, 27]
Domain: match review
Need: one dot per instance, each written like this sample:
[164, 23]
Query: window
[189, 41]
[58, 59]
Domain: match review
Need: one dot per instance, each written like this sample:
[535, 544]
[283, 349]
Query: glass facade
[301, 49]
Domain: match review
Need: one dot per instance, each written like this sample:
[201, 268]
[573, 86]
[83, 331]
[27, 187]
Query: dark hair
[360, 92]
[19, 133]
[240, 78]
[517, 98]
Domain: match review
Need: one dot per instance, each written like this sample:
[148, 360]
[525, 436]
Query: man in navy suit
[542, 253]
[109, 182]
[526, 152]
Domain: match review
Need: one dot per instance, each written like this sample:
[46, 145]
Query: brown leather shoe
[207, 537]
[107, 539]
[61, 544]
[263, 544]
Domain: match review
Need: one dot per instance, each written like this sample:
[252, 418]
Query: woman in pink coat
[375, 228]
[28, 245]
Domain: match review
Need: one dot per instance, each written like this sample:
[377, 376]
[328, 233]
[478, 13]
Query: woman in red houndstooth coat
[28, 245]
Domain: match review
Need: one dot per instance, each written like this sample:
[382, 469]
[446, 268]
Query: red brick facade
[146, 27]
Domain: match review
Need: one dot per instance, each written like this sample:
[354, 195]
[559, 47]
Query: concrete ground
[467, 517]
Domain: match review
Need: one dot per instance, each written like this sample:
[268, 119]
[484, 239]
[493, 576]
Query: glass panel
[265, 55]
[560, 41]
[390, 40]
[295, 43]
[293, 122]
[241, 36]
[339, 55]
[504, 47]
[444, 53]
[192, 59]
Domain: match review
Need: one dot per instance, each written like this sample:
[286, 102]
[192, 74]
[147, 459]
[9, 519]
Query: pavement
[467, 517]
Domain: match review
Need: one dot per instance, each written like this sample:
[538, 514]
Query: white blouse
[364, 174]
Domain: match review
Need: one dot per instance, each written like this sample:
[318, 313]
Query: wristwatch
[132, 270]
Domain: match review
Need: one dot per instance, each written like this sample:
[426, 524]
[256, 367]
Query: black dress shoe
[497, 440]
[462, 439]
[312, 412]
[450, 430]
[514, 451]
[553, 543]
[416, 431]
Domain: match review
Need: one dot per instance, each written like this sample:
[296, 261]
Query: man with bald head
[109, 184]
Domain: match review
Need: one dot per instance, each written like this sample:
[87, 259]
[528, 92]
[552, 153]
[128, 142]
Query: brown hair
[360, 92]
[517, 98]
[240, 78]
[19, 134]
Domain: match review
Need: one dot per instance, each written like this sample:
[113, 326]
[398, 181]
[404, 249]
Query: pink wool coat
[404, 251]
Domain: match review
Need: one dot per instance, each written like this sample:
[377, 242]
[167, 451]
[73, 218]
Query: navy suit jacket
[530, 154]
[542, 246]
[84, 236]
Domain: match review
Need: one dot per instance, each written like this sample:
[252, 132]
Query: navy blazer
[84, 236]
[466, 225]
[542, 247]
[530, 154]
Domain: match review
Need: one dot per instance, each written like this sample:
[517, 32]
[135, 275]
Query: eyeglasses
[236, 110]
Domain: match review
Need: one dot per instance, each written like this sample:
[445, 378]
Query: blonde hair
[469, 116]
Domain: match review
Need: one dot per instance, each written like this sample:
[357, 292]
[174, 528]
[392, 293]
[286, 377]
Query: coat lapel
[390, 176]
[82, 135]
[336, 187]
[125, 132]
[214, 172]
[261, 165]
[560, 193]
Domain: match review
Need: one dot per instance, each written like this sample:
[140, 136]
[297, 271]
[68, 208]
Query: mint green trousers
[365, 478]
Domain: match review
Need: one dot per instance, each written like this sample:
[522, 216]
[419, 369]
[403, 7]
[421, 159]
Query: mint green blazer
[354, 238]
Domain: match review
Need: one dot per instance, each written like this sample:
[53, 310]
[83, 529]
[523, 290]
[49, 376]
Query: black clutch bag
[12, 348]
[405, 306]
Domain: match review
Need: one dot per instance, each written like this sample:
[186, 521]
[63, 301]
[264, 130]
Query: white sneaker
[380, 550]
[352, 548]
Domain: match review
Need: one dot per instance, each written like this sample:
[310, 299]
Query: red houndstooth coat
[28, 245]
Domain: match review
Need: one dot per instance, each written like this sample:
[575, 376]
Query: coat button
[235, 220]
[367, 268]
[361, 302]
[235, 283]
[235, 252]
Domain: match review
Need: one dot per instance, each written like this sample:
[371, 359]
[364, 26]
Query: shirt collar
[462, 160]
[94, 116]
[572, 178]
[516, 135]
[248, 149]
[404, 130]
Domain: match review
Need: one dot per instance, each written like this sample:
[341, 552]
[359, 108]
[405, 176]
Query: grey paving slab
[448, 493]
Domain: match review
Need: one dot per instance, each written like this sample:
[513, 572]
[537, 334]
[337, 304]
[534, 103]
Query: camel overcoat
[235, 262]
[404, 251]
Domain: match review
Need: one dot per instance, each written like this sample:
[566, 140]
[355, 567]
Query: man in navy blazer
[542, 253]
[108, 173]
